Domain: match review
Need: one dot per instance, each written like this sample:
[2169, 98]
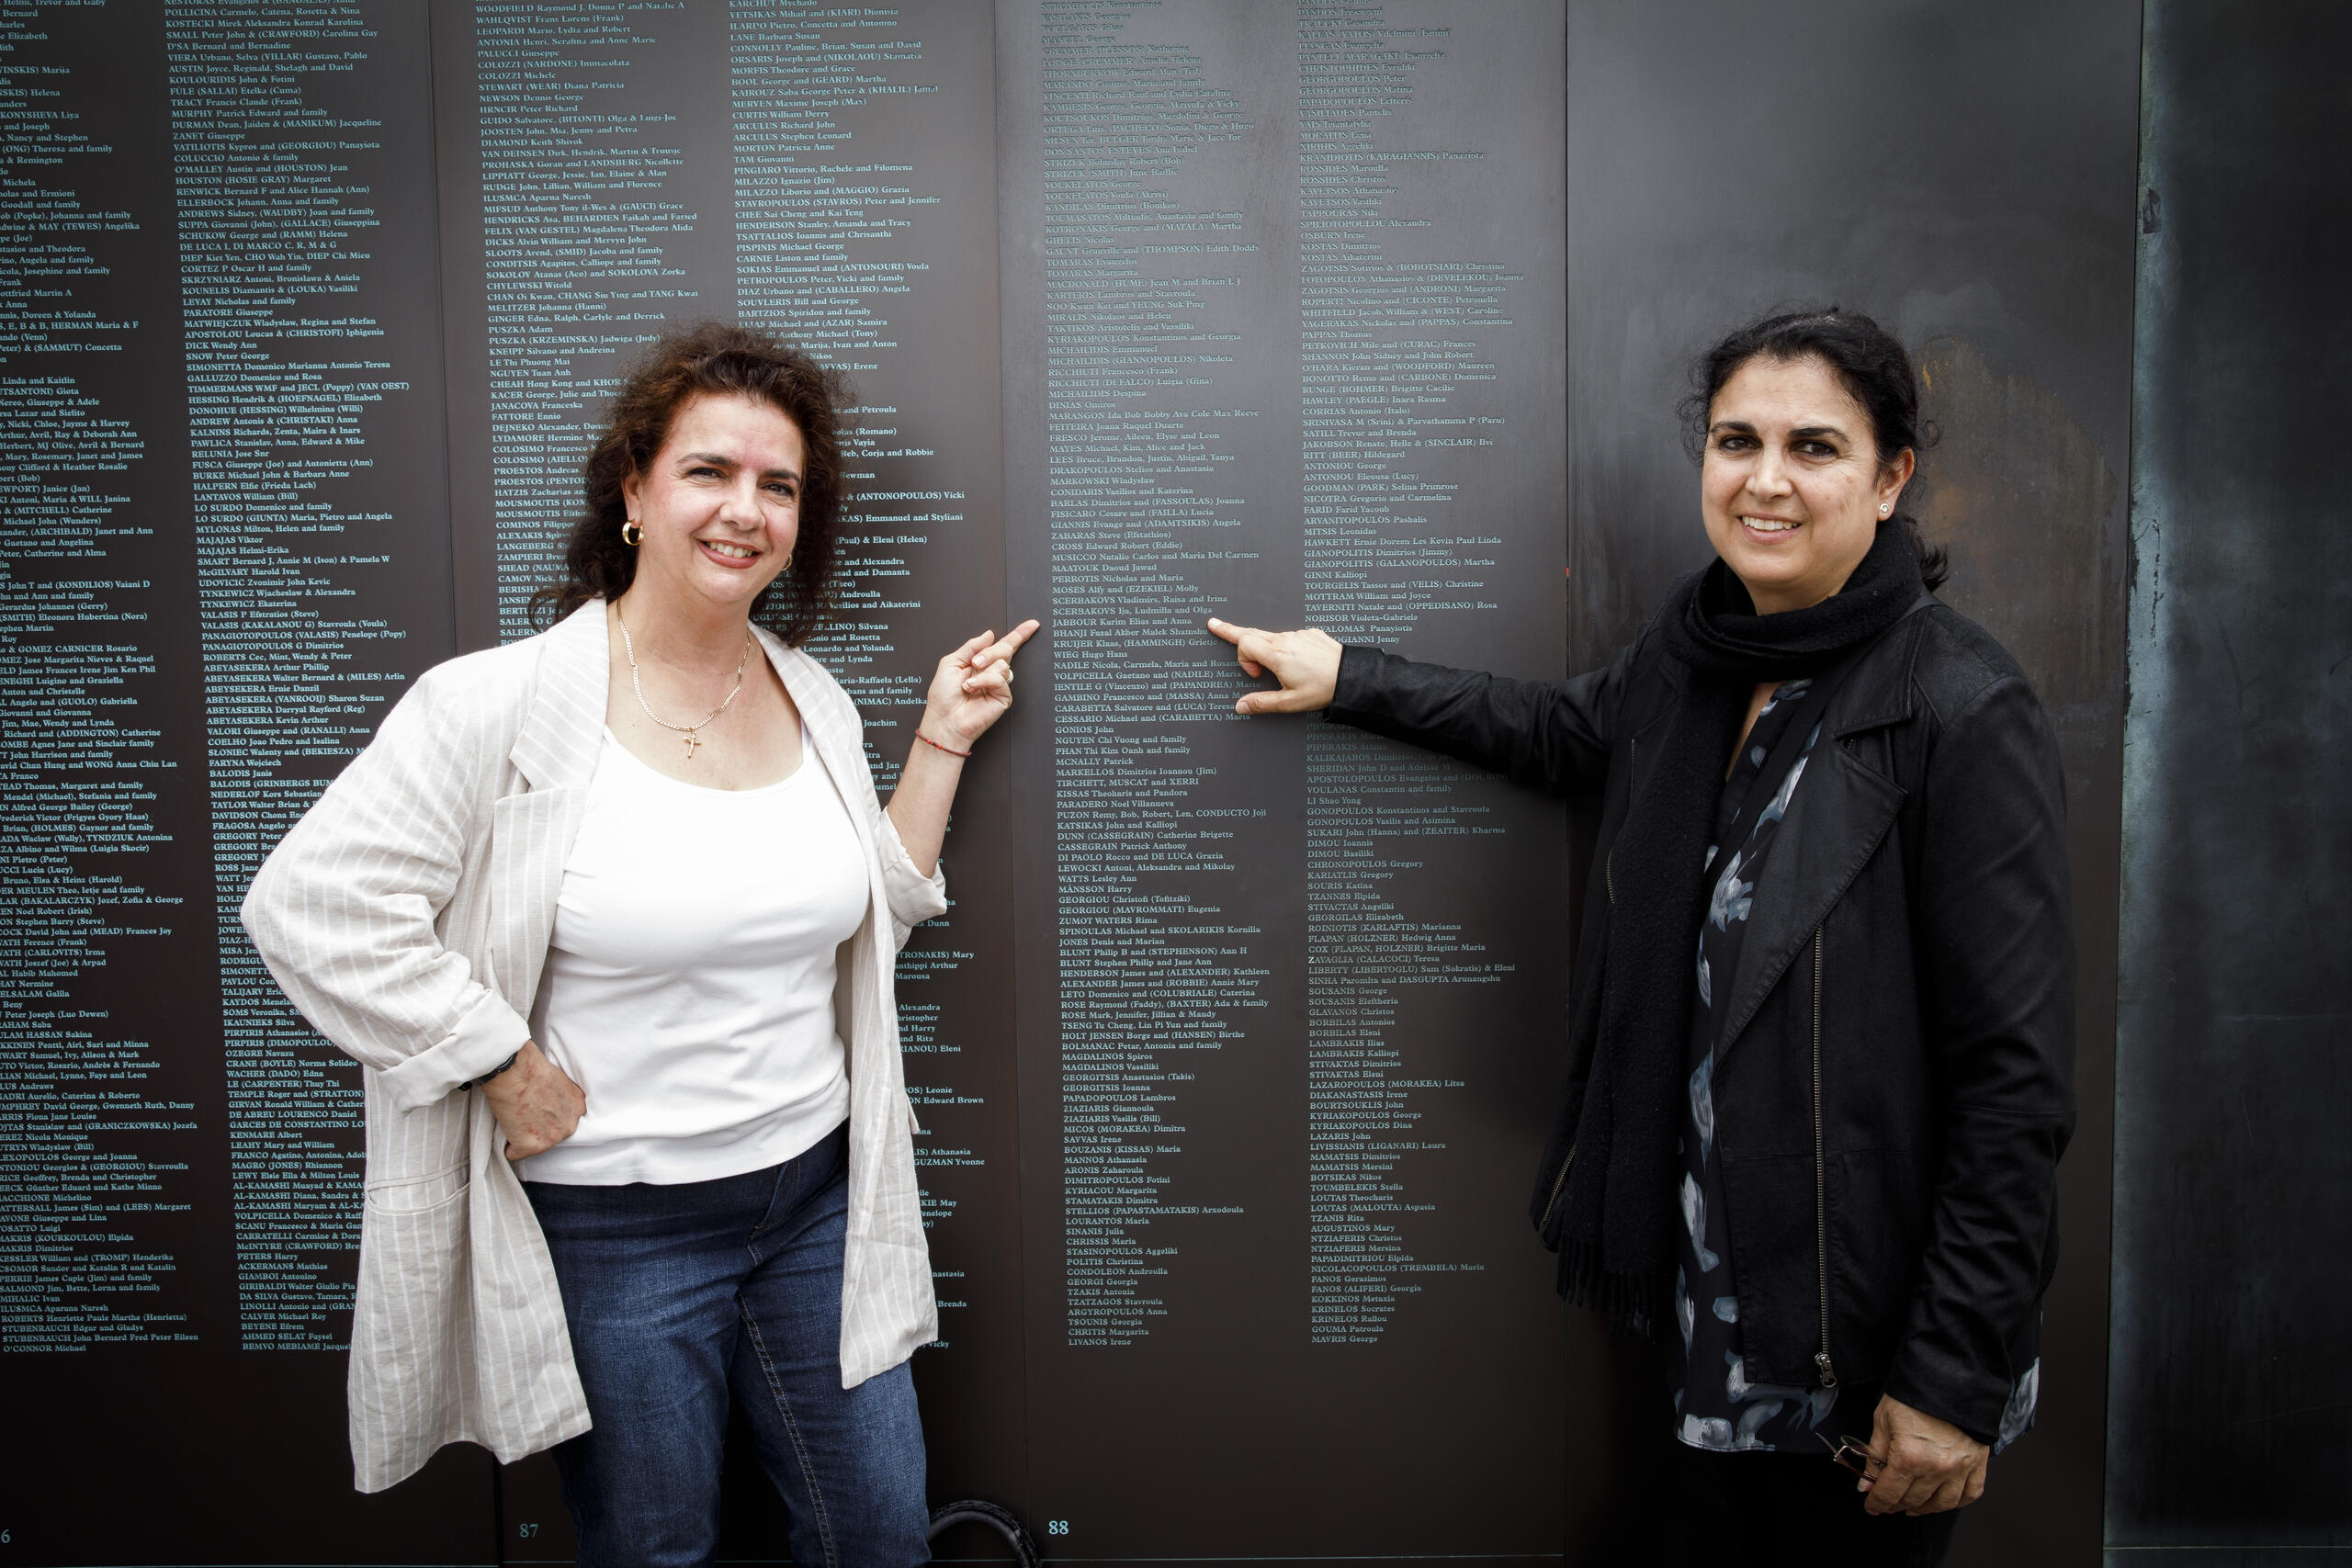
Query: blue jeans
[679, 1295]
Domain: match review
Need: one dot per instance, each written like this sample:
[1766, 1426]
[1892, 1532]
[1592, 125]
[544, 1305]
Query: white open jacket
[407, 916]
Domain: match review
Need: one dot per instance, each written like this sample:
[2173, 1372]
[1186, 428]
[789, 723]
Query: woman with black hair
[1821, 1029]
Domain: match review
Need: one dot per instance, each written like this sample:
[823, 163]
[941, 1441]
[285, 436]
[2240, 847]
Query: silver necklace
[628, 646]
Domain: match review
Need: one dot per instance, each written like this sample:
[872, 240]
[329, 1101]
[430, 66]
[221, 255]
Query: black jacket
[1897, 1079]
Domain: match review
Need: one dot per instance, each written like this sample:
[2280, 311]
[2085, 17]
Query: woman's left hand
[973, 687]
[1931, 1465]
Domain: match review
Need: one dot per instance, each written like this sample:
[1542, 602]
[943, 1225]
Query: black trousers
[1682, 1507]
[1799, 1509]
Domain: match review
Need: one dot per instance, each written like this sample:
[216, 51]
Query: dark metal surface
[2230, 1384]
[242, 517]
[1289, 997]
[1964, 175]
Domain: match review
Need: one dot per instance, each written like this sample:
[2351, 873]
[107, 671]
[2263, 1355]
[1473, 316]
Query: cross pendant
[692, 740]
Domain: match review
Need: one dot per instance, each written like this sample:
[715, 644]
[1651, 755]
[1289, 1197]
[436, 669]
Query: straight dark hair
[714, 359]
[1868, 362]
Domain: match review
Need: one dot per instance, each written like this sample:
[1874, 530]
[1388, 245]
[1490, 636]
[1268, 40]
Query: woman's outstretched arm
[1553, 736]
[972, 690]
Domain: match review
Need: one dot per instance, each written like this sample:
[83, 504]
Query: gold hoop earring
[787, 561]
[631, 534]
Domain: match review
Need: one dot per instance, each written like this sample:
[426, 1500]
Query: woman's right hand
[535, 1105]
[1306, 662]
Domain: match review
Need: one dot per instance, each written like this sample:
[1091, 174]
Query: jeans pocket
[783, 1195]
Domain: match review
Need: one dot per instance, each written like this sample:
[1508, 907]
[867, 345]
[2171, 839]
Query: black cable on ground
[974, 1512]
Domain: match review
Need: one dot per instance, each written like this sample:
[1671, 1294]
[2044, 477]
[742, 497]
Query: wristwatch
[477, 1083]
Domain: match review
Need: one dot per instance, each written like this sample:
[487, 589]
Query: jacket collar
[829, 726]
[1880, 692]
[564, 725]
[563, 728]
[802, 682]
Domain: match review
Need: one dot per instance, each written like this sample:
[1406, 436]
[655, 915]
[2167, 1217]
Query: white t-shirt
[689, 982]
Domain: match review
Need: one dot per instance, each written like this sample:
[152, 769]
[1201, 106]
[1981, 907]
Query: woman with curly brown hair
[611, 915]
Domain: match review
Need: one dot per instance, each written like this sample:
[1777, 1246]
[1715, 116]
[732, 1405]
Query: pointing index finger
[1008, 646]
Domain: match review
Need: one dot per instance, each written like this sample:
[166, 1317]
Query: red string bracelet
[937, 747]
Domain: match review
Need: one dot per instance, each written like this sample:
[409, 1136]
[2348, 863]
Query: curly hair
[714, 359]
[1868, 362]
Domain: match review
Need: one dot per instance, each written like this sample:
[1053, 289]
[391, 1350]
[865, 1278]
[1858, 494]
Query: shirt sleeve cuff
[913, 897]
[489, 1034]
[1966, 1413]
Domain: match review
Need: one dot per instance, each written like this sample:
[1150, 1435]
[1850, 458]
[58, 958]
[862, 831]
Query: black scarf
[1617, 1236]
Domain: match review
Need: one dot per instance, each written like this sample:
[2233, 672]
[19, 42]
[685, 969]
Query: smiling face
[719, 504]
[1792, 486]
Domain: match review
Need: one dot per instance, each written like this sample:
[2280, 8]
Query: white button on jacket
[407, 916]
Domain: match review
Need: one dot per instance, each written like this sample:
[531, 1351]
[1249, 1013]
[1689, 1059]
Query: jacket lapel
[839, 751]
[838, 740]
[532, 829]
[1840, 812]
[1837, 817]
[562, 729]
